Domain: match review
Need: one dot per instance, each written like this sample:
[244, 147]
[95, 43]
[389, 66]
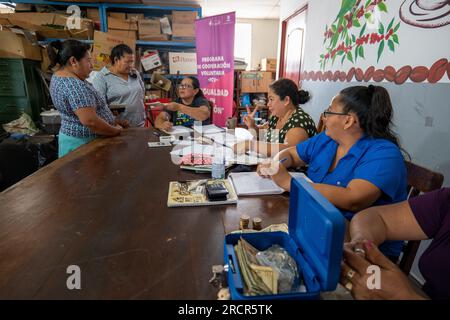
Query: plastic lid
[318, 229]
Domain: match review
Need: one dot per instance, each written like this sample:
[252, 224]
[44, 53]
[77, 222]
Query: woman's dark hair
[60, 52]
[119, 51]
[373, 107]
[196, 85]
[287, 88]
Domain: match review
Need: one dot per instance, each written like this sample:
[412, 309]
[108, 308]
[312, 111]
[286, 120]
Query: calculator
[216, 191]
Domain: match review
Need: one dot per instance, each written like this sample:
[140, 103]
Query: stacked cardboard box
[183, 25]
[269, 64]
[120, 26]
[150, 30]
[15, 45]
[103, 44]
[135, 16]
[93, 14]
[48, 25]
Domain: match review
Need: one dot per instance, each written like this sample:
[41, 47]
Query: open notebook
[251, 184]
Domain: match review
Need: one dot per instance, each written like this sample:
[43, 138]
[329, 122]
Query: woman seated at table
[121, 84]
[424, 217]
[356, 163]
[84, 113]
[190, 106]
[288, 124]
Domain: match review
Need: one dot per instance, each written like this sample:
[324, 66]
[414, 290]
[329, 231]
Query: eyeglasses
[324, 114]
[185, 86]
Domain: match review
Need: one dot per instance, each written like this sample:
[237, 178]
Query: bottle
[218, 164]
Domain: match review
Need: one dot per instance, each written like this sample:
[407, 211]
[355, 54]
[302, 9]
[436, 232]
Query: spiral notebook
[252, 184]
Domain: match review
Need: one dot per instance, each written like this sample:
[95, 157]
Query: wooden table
[103, 208]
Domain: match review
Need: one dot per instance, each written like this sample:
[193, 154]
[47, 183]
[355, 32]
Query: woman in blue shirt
[84, 112]
[356, 163]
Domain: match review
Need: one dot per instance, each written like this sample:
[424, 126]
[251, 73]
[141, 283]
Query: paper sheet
[250, 183]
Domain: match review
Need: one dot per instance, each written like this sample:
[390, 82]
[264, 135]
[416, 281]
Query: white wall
[264, 39]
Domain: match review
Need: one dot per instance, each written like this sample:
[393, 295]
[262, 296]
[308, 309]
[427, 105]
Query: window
[243, 43]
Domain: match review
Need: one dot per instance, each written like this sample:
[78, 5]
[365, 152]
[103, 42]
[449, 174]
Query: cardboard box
[183, 62]
[16, 46]
[93, 14]
[149, 27]
[150, 37]
[184, 17]
[103, 44]
[39, 22]
[129, 34]
[23, 7]
[183, 30]
[150, 60]
[118, 15]
[135, 16]
[86, 31]
[269, 64]
[122, 24]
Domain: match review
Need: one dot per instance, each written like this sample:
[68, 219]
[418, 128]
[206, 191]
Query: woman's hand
[123, 123]
[242, 147]
[166, 125]
[249, 119]
[358, 273]
[172, 106]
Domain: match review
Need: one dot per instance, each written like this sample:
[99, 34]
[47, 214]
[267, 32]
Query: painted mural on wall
[362, 35]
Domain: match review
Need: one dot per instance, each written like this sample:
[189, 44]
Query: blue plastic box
[315, 242]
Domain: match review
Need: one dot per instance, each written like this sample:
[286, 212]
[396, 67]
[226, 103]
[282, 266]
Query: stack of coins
[257, 223]
[244, 222]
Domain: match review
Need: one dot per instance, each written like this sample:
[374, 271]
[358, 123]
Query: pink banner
[215, 63]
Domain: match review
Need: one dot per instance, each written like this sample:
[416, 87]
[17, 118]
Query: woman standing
[121, 84]
[84, 113]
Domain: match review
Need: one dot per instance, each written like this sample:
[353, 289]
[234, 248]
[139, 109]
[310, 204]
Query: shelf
[169, 44]
[135, 8]
[169, 76]
[55, 39]
[55, 3]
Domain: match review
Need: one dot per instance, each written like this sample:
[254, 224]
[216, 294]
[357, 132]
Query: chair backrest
[420, 180]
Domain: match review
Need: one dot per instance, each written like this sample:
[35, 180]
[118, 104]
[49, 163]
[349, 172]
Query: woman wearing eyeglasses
[288, 125]
[356, 162]
[190, 106]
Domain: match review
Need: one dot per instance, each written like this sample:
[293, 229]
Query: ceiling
[245, 9]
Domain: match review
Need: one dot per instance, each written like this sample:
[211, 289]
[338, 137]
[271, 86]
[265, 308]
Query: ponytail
[53, 50]
[303, 96]
[373, 107]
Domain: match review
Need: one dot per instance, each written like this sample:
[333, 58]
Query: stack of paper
[179, 131]
[208, 129]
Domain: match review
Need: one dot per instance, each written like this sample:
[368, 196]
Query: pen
[283, 160]
[156, 133]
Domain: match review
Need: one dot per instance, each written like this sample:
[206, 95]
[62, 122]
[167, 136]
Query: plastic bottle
[218, 164]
